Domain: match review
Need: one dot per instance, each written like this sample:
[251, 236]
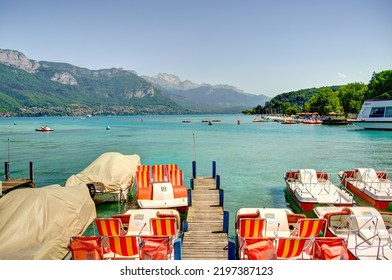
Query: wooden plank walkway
[11, 184]
[205, 239]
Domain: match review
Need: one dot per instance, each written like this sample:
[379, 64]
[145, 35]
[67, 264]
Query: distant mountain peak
[122, 91]
[18, 60]
[171, 81]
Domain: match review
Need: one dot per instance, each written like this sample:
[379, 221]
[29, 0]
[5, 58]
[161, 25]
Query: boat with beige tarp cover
[38, 223]
[109, 178]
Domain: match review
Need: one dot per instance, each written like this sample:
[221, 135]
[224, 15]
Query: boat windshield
[365, 112]
[377, 112]
[388, 112]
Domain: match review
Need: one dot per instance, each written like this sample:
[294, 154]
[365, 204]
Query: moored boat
[375, 115]
[288, 121]
[139, 234]
[37, 223]
[334, 119]
[278, 233]
[258, 119]
[109, 178]
[312, 121]
[161, 186]
[367, 231]
[44, 128]
[309, 188]
[372, 186]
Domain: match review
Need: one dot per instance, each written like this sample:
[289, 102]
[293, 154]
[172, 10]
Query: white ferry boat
[375, 114]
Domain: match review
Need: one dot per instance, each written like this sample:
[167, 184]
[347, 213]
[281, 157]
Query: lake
[251, 157]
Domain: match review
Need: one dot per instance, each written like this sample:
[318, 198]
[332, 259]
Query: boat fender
[91, 189]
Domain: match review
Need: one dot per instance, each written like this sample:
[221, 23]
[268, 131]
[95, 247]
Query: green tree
[324, 101]
[352, 96]
[292, 110]
[380, 85]
[284, 106]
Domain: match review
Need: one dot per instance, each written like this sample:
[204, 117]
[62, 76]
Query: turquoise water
[251, 157]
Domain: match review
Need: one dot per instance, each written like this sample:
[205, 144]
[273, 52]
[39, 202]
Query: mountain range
[30, 88]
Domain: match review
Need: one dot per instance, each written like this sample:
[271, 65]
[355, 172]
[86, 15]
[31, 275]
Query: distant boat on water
[108, 128]
[335, 119]
[258, 119]
[44, 128]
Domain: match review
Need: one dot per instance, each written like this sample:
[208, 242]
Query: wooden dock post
[11, 184]
[7, 170]
[31, 171]
[206, 234]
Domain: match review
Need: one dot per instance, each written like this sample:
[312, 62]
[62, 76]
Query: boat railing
[344, 193]
[387, 172]
[374, 237]
[343, 188]
[302, 190]
[371, 183]
[380, 187]
[326, 188]
[344, 226]
[350, 194]
[374, 186]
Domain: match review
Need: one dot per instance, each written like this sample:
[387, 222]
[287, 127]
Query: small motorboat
[278, 233]
[288, 121]
[108, 128]
[109, 178]
[44, 128]
[366, 230]
[37, 223]
[257, 120]
[370, 185]
[310, 188]
[162, 189]
[138, 234]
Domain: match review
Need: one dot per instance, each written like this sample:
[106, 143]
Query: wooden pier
[10, 184]
[206, 234]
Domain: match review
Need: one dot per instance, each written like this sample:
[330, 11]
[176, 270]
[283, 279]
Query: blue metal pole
[226, 217]
[217, 181]
[213, 169]
[189, 197]
[177, 249]
[184, 226]
[194, 169]
[231, 249]
[221, 197]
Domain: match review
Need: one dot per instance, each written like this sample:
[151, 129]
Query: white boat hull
[375, 115]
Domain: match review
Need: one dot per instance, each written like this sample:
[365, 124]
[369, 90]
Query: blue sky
[261, 47]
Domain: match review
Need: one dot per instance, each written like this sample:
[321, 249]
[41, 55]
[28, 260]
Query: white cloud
[342, 75]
